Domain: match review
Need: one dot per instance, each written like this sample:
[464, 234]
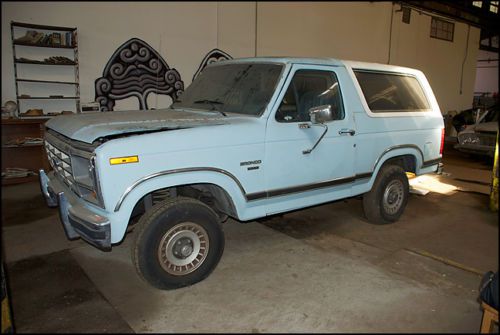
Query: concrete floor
[322, 269]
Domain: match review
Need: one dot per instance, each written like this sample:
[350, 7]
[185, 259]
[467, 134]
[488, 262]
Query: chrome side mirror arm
[319, 115]
[308, 151]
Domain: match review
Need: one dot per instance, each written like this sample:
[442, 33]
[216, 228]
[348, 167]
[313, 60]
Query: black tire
[387, 199]
[165, 235]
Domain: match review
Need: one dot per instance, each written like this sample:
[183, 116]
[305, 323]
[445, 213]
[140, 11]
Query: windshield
[232, 88]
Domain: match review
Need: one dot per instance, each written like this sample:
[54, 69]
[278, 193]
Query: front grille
[73, 164]
[61, 163]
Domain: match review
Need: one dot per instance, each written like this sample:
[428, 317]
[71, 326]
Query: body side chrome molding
[275, 192]
[431, 162]
[168, 172]
[250, 196]
[413, 146]
[306, 187]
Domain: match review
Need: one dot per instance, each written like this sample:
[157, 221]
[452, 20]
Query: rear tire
[387, 199]
[179, 242]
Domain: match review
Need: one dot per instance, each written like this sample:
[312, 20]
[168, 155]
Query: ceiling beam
[462, 11]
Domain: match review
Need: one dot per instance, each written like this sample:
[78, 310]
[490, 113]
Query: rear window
[392, 92]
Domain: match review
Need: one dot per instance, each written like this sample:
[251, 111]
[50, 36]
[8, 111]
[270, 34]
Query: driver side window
[310, 88]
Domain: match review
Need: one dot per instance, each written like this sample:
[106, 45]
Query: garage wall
[487, 73]
[346, 30]
[236, 28]
[363, 31]
[183, 33]
[450, 67]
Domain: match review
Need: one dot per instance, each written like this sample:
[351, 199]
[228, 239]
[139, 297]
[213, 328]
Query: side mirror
[321, 114]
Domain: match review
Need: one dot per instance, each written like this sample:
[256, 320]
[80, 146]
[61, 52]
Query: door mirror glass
[321, 114]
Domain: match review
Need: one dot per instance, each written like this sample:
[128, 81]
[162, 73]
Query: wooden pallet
[490, 315]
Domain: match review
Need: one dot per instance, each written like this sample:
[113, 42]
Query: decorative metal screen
[136, 70]
[215, 55]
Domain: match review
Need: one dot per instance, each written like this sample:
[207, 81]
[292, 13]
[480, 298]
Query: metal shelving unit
[68, 40]
[19, 152]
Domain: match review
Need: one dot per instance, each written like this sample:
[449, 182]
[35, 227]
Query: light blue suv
[247, 139]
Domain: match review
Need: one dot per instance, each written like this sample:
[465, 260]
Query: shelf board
[40, 26]
[18, 180]
[18, 61]
[27, 44]
[48, 98]
[45, 117]
[47, 81]
[38, 120]
[8, 146]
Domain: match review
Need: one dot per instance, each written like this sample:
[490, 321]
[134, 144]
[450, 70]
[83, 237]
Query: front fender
[170, 178]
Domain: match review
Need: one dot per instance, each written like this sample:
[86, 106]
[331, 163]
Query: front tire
[387, 199]
[179, 242]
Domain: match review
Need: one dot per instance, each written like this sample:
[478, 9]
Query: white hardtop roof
[288, 60]
[325, 61]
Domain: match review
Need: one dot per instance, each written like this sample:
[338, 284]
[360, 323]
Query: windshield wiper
[213, 103]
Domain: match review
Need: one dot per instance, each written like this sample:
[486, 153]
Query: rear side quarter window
[392, 92]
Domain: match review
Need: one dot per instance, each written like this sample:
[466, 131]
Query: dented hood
[89, 127]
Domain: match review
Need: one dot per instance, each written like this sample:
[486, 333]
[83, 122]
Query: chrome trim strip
[250, 196]
[168, 172]
[65, 147]
[305, 187]
[431, 162]
[364, 175]
[44, 182]
[75, 144]
[64, 207]
[424, 163]
[276, 192]
[413, 146]
[97, 183]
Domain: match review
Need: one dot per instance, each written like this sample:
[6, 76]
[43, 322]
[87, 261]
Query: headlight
[82, 171]
[84, 175]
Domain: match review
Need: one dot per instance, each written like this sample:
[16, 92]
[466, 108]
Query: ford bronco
[247, 139]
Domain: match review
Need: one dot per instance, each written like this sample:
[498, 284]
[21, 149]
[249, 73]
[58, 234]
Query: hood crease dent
[91, 126]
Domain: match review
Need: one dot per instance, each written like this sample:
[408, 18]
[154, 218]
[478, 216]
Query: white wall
[183, 32]
[487, 73]
[449, 66]
[345, 30]
[236, 28]
[362, 31]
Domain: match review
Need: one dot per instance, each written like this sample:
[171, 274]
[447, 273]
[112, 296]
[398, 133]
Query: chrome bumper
[77, 220]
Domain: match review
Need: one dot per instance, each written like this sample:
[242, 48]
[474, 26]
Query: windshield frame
[269, 104]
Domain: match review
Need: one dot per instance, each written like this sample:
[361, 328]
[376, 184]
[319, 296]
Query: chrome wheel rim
[183, 248]
[393, 197]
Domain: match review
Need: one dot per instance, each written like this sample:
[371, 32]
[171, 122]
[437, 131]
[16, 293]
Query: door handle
[347, 131]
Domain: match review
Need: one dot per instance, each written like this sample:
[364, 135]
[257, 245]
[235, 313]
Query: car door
[327, 171]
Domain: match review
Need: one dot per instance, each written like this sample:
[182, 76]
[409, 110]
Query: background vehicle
[480, 138]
